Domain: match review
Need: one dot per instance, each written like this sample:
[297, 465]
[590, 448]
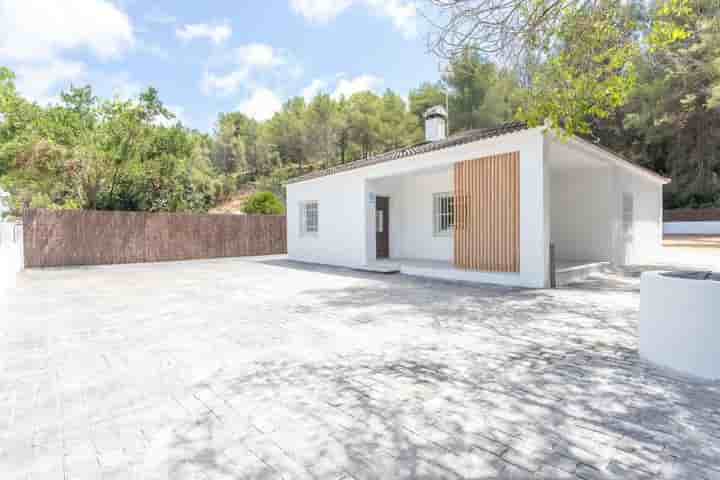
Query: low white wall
[692, 228]
[11, 254]
[679, 325]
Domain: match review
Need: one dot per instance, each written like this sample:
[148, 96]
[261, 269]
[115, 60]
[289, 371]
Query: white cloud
[246, 60]
[315, 87]
[218, 33]
[346, 87]
[258, 55]
[35, 36]
[224, 84]
[320, 11]
[36, 30]
[262, 104]
[402, 13]
[36, 81]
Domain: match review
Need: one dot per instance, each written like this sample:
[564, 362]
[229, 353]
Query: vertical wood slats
[487, 229]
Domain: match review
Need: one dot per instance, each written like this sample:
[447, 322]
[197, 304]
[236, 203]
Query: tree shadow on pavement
[465, 382]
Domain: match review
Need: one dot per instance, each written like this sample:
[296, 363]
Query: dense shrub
[263, 203]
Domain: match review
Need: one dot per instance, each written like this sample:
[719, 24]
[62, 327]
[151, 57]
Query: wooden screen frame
[487, 217]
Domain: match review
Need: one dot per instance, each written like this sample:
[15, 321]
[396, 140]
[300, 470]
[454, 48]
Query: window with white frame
[443, 213]
[309, 218]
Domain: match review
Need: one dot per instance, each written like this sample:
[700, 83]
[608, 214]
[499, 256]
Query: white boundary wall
[11, 254]
[692, 228]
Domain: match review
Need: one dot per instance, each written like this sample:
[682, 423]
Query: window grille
[443, 213]
[310, 217]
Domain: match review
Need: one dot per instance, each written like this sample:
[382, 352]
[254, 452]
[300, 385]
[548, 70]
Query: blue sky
[216, 55]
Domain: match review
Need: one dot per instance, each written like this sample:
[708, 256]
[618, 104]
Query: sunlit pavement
[265, 368]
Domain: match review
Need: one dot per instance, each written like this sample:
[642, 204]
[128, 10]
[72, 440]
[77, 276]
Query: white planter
[680, 323]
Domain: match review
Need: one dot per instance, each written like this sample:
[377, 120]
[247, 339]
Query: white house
[482, 206]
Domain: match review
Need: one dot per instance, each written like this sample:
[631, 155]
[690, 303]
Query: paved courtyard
[269, 369]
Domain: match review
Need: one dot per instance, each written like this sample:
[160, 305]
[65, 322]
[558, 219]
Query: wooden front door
[382, 227]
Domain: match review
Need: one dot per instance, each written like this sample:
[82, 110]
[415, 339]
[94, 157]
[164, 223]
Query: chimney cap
[436, 111]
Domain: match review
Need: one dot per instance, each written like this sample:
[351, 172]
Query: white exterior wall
[587, 190]
[411, 215]
[581, 209]
[347, 217]
[647, 225]
[341, 221]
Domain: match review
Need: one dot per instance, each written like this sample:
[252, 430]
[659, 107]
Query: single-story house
[481, 206]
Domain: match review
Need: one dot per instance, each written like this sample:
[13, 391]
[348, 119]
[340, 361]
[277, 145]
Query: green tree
[589, 72]
[86, 152]
[398, 127]
[321, 131]
[480, 94]
[671, 122]
[287, 133]
[427, 95]
[263, 203]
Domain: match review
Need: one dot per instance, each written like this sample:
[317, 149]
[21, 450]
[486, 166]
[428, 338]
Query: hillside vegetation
[644, 81]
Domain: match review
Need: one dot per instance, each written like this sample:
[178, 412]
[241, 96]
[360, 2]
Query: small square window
[443, 213]
[309, 218]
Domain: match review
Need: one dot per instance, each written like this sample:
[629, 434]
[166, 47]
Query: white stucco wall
[586, 205]
[580, 214]
[341, 220]
[347, 217]
[647, 225]
[411, 215]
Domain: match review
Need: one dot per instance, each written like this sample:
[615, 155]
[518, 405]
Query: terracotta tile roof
[425, 147]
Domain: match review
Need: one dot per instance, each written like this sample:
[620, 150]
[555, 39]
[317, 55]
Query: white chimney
[436, 123]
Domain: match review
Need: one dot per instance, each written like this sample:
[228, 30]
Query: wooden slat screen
[487, 225]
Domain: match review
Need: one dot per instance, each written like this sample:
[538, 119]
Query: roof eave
[492, 133]
[622, 161]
